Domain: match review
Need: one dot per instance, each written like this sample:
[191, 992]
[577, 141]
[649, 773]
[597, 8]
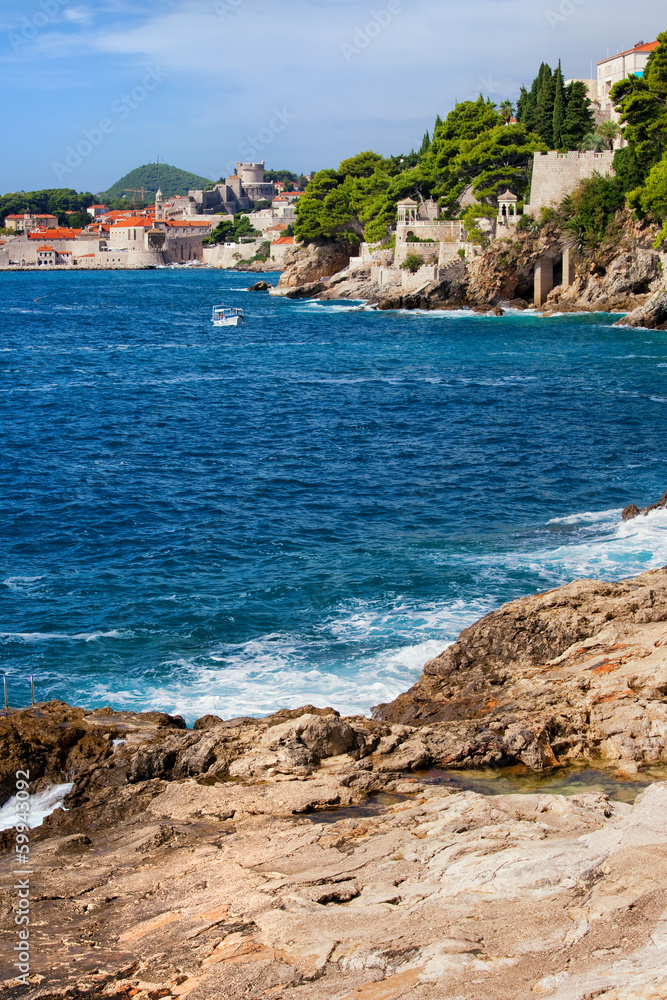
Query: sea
[305, 509]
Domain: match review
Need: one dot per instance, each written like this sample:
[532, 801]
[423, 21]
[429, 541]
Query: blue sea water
[307, 508]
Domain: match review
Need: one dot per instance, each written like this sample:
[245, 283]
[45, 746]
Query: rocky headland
[623, 276]
[309, 855]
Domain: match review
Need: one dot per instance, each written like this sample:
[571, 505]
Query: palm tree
[593, 142]
[507, 111]
[608, 131]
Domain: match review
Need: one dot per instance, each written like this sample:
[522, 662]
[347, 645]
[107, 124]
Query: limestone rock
[652, 315]
[308, 264]
[549, 678]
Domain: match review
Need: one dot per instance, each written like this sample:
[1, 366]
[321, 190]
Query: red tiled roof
[54, 234]
[47, 248]
[117, 213]
[85, 255]
[136, 220]
[644, 47]
[283, 240]
[185, 222]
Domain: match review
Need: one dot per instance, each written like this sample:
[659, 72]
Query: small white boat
[227, 316]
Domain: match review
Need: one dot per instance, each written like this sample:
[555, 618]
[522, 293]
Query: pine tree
[558, 121]
[579, 121]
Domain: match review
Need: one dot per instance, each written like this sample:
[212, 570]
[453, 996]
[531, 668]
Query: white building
[615, 68]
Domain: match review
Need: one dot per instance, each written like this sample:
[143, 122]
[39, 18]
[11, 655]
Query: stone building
[435, 241]
[556, 175]
[615, 68]
[27, 222]
[238, 193]
[507, 210]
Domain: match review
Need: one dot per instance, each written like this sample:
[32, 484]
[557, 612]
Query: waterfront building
[27, 221]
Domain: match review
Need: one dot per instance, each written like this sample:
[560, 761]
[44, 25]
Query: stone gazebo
[408, 212]
[507, 209]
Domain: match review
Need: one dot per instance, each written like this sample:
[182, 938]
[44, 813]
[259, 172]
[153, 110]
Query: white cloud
[78, 15]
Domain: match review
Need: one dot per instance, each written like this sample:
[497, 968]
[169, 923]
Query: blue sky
[91, 89]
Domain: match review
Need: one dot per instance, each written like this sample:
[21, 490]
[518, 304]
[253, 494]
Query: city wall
[556, 175]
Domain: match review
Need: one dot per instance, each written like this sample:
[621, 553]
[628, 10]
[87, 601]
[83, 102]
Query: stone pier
[544, 279]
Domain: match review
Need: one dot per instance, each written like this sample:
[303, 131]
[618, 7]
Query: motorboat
[227, 316]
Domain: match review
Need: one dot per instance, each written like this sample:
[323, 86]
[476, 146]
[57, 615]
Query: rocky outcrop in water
[307, 264]
[632, 511]
[625, 275]
[652, 315]
[578, 671]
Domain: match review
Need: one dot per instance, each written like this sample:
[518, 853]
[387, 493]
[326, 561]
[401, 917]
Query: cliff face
[307, 264]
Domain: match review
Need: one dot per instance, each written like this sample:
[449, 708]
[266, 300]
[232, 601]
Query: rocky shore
[309, 855]
[626, 277]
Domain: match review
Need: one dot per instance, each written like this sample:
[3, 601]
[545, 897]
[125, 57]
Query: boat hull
[232, 321]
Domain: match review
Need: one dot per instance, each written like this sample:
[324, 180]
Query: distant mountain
[171, 180]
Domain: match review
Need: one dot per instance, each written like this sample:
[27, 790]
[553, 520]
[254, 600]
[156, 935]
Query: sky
[89, 90]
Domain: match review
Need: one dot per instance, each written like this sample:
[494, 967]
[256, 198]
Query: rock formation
[578, 671]
[632, 511]
[307, 264]
[626, 275]
[309, 855]
[652, 315]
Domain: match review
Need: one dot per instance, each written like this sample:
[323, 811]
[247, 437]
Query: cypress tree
[544, 110]
[579, 121]
[521, 105]
[559, 108]
[426, 143]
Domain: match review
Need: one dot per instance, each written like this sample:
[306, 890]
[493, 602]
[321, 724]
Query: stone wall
[447, 230]
[556, 175]
[182, 248]
[427, 251]
[228, 255]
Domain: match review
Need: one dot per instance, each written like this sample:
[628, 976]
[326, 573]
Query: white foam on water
[588, 517]
[19, 584]
[41, 805]
[369, 655]
[604, 547]
[63, 636]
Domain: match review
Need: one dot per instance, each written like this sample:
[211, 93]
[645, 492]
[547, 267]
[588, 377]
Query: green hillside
[171, 180]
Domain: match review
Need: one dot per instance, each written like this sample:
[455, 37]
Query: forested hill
[170, 180]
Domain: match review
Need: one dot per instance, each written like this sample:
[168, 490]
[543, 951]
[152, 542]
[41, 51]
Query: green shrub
[412, 263]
